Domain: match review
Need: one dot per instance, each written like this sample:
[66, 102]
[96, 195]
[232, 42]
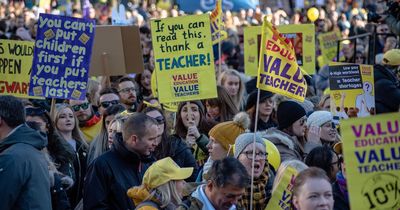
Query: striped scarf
[260, 197]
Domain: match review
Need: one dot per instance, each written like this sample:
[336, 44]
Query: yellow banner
[371, 149]
[352, 90]
[328, 46]
[15, 66]
[217, 26]
[278, 71]
[184, 61]
[281, 198]
[302, 37]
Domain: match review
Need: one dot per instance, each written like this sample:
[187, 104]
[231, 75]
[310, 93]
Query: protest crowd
[116, 141]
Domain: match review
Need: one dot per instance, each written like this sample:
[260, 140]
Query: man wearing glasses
[127, 94]
[108, 97]
[89, 121]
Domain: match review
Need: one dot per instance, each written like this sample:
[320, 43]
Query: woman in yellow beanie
[161, 187]
[222, 138]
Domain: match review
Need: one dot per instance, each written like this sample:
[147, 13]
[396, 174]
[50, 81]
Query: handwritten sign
[15, 66]
[372, 158]
[328, 46]
[184, 60]
[61, 57]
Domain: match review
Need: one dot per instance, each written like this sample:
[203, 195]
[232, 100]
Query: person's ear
[210, 185]
[296, 202]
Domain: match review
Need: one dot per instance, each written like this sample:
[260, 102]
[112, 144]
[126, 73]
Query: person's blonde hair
[165, 194]
[296, 164]
[237, 99]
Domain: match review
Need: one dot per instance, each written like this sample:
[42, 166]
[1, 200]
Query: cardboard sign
[63, 47]
[184, 61]
[301, 36]
[352, 90]
[328, 46]
[371, 149]
[116, 51]
[278, 71]
[15, 67]
[281, 198]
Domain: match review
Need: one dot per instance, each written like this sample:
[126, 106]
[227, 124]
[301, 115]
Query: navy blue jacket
[109, 177]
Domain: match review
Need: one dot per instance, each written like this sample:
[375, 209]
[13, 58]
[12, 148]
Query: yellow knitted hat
[225, 133]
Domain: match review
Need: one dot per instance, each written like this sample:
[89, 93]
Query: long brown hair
[180, 128]
[225, 104]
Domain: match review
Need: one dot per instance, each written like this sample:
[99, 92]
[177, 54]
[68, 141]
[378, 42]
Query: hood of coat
[25, 135]
[278, 136]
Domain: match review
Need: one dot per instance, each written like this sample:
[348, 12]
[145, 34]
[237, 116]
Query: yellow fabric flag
[217, 32]
[278, 70]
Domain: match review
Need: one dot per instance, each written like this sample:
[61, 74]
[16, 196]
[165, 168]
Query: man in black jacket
[24, 175]
[110, 176]
[387, 84]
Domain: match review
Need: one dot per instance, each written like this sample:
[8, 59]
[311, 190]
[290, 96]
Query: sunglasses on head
[84, 106]
[107, 104]
[34, 111]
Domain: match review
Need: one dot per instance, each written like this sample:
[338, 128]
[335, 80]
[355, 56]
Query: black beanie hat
[289, 112]
[252, 99]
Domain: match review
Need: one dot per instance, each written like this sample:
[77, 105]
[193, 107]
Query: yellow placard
[328, 46]
[371, 149]
[184, 61]
[44, 4]
[281, 198]
[302, 37]
[217, 26]
[352, 90]
[15, 66]
[278, 70]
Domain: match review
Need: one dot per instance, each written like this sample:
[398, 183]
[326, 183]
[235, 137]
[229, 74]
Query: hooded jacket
[24, 175]
[110, 176]
[387, 90]
[289, 147]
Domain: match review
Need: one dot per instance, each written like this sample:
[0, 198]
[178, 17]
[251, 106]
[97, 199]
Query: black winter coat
[110, 176]
[183, 156]
[387, 90]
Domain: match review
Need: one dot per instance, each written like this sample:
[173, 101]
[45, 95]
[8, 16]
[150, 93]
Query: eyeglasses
[127, 90]
[260, 155]
[34, 111]
[84, 106]
[106, 104]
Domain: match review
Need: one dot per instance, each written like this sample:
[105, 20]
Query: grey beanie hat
[245, 139]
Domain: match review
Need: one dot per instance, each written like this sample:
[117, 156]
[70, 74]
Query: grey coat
[24, 174]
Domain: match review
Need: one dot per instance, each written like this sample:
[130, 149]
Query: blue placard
[208, 5]
[61, 58]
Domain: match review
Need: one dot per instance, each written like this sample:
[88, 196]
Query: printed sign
[184, 61]
[15, 67]
[281, 198]
[301, 36]
[278, 71]
[371, 149]
[62, 53]
[352, 90]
